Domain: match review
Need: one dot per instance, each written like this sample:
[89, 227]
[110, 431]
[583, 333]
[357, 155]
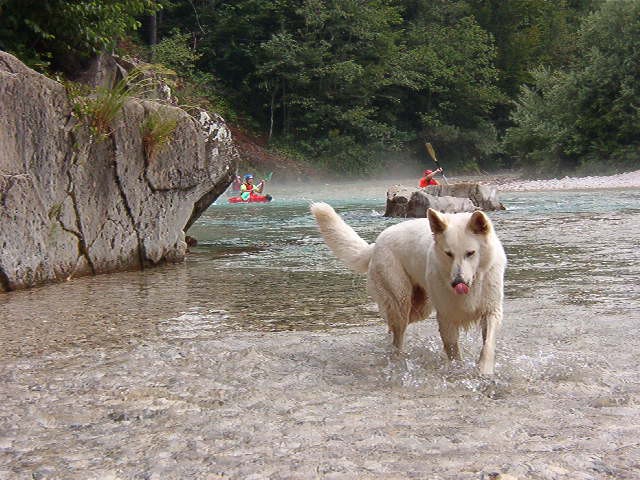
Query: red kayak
[251, 199]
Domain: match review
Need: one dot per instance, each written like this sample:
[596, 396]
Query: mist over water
[263, 357]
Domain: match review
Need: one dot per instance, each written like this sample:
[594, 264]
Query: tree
[62, 33]
[528, 34]
[588, 115]
[453, 58]
[310, 70]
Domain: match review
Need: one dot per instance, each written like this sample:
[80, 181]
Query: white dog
[454, 263]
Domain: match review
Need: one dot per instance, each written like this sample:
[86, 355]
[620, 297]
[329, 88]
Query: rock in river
[405, 201]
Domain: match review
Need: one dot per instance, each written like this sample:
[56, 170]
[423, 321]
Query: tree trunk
[284, 107]
[273, 106]
[151, 30]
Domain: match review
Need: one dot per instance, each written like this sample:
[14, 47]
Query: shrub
[174, 52]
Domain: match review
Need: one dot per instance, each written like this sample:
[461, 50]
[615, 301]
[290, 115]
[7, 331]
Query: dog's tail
[345, 243]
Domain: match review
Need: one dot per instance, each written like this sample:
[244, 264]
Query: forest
[351, 86]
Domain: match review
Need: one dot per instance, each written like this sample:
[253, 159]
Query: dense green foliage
[65, 32]
[350, 83]
[345, 81]
[587, 115]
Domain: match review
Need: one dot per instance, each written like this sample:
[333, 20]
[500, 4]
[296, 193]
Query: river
[262, 357]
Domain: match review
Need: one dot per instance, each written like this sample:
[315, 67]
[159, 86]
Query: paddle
[432, 154]
[266, 178]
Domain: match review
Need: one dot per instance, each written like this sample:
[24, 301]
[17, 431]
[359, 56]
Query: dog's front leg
[490, 323]
[449, 333]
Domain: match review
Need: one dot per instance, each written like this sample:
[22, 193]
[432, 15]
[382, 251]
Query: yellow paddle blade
[431, 151]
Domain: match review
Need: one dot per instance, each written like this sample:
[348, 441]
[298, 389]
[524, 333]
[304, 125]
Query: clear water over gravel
[261, 357]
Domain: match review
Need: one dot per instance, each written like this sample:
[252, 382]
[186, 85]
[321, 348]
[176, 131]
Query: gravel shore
[622, 180]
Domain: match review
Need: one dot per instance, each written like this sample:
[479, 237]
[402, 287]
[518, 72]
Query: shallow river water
[261, 357]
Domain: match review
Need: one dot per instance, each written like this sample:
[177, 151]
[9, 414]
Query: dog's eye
[470, 253]
[448, 253]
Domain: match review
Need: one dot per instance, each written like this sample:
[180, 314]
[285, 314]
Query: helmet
[428, 172]
[248, 176]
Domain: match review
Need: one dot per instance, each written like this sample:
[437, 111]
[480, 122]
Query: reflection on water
[262, 355]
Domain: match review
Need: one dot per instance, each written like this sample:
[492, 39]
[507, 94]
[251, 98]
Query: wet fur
[409, 273]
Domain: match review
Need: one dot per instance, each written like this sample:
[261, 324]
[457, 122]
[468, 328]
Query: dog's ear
[479, 223]
[437, 222]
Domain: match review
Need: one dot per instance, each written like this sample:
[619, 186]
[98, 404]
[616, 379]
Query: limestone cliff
[72, 204]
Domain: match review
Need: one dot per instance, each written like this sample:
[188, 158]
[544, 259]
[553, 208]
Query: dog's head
[461, 241]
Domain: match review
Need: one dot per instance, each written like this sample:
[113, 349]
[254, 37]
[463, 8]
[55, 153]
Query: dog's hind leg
[449, 332]
[395, 310]
[398, 325]
[391, 289]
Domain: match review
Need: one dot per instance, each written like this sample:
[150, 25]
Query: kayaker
[248, 189]
[428, 178]
[237, 183]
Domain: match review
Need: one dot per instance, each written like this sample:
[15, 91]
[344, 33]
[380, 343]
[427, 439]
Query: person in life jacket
[428, 178]
[247, 189]
[237, 184]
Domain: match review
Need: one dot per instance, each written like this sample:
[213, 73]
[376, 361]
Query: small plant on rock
[157, 130]
[101, 108]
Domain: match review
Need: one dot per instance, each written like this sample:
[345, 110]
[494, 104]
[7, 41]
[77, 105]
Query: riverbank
[622, 180]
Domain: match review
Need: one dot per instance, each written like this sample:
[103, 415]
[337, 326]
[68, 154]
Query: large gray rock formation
[72, 204]
[449, 198]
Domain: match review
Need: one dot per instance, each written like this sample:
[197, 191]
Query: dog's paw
[486, 368]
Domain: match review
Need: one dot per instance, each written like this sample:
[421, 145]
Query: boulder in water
[405, 201]
[74, 204]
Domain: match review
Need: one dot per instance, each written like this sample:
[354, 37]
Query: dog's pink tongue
[461, 289]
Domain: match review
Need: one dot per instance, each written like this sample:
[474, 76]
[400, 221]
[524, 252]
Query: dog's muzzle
[460, 287]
